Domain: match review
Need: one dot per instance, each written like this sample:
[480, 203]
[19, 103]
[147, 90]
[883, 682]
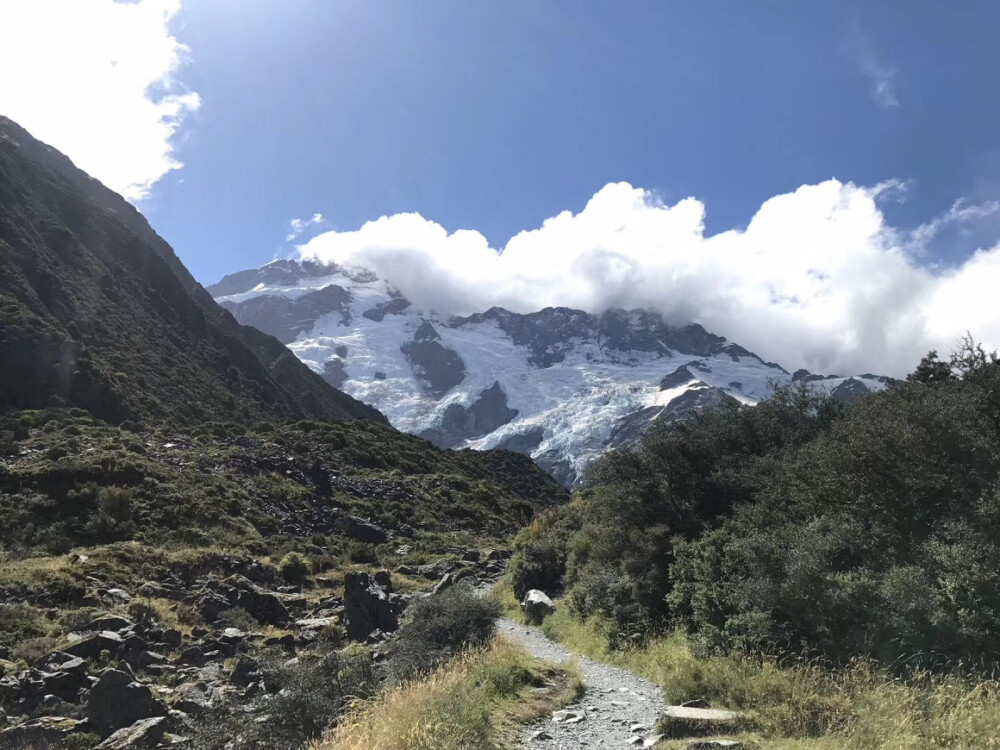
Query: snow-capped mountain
[560, 385]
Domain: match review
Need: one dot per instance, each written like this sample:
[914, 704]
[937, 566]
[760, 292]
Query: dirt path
[617, 706]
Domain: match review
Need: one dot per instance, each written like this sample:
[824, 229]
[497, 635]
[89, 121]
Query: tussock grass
[805, 705]
[470, 703]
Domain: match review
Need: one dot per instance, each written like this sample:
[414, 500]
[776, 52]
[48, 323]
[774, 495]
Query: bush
[294, 567]
[307, 695]
[797, 526]
[440, 626]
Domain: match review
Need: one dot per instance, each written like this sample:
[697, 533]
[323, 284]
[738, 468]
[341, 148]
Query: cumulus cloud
[817, 279]
[96, 80]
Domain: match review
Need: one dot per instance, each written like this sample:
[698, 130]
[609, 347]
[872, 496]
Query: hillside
[185, 503]
[96, 312]
[558, 384]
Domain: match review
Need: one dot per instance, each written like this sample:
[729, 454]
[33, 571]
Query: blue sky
[225, 120]
[494, 116]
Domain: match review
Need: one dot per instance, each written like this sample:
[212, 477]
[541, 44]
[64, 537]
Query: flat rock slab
[687, 721]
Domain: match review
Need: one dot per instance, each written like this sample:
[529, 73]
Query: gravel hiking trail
[618, 708]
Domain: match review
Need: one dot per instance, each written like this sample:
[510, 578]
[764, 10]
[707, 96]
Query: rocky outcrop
[699, 398]
[523, 442]
[459, 423]
[370, 605]
[439, 368]
[117, 701]
[393, 306]
[285, 318]
[145, 734]
[681, 376]
[335, 372]
[850, 390]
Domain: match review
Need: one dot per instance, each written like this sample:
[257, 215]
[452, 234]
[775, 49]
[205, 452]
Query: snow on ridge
[575, 402]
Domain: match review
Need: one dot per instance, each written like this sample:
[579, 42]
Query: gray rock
[91, 646]
[245, 672]
[265, 607]
[194, 697]
[433, 571]
[487, 413]
[109, 622]
[438, 367]
[117, 701]
[446, 582]
[536, 606]
[687, 721]
[369, 607]
[43, 732]
[361, 530]
[145, 734]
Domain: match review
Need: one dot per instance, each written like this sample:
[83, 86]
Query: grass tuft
[472, 702]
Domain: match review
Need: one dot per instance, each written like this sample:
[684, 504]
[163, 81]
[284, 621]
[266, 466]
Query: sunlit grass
[802, 705]
[470, 703]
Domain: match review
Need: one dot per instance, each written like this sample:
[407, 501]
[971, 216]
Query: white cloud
[881, 76]
[95, 79]
[297, 226]
[817, 279]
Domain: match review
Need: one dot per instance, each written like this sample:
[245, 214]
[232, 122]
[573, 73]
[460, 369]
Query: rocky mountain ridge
[97, 312]
[560, 385]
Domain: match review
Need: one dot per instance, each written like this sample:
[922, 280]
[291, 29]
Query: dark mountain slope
[97, 312]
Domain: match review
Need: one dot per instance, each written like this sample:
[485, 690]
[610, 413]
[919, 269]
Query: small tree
[931, 370]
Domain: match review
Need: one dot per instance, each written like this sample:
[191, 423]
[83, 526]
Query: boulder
[369, 607]
[536, 606]
[446, 582]
[210, 604]
[687, 721]
[91, 646]
[435, 570]
[246, 671]
[45, 731]
[109, 622]
[116, 701]
[194, 697]
[362, 531]
[145, 734]
[265, 607]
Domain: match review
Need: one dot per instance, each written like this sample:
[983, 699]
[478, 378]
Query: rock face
[99, 296]
[43, 732]
[439, 368]
[117, 701]
[536, 606]
[487, 413]
[698, 398]
[145, 734]
[370, 605]
[286, 318]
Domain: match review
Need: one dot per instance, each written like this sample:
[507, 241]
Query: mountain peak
[559, 384]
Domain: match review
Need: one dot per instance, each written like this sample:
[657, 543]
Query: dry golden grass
[805, 706]
[471, 703]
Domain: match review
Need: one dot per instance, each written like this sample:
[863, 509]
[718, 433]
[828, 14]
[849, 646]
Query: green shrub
[294, 567]
[798, 526]
[440, 626]
[306, 696]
